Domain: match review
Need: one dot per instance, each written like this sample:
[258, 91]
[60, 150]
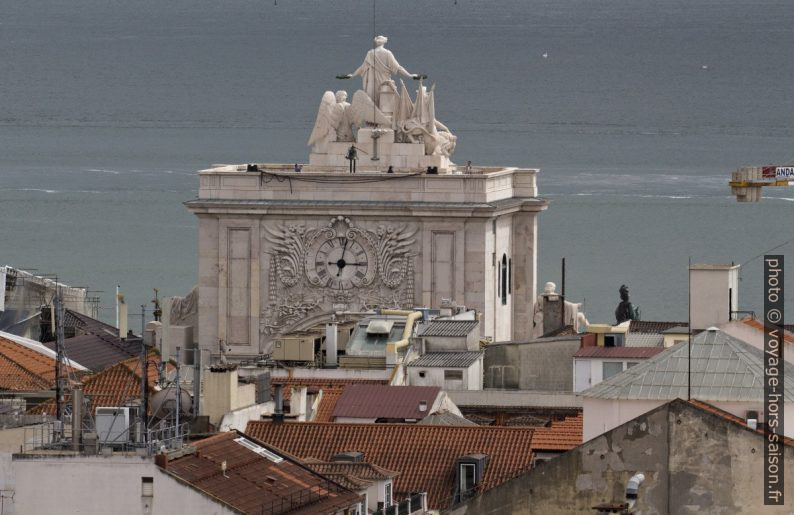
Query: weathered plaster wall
[694, 462]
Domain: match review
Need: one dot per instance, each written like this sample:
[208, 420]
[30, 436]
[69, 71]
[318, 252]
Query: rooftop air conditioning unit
[113, 425]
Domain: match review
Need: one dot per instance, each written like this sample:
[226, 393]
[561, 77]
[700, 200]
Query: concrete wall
[693, 461]
[471, 342]
[714, 292]
[602, 415]
[220, 394]
[592, 370]
[434, 376]
[545, 365]
[84, 484]
[475, 375]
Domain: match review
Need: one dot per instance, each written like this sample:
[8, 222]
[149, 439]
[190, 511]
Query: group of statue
[380, 105]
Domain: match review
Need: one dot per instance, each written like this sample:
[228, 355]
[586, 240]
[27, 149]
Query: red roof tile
[114, 386]
[618, 352]
[319, 383]
[731, 418]
[255, 483]
[423, 455]
[562, 435]
[383, 401]
[24, 369]
[755, 324]
[327, 404]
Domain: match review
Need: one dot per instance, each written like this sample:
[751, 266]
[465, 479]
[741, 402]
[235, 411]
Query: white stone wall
[98, 485]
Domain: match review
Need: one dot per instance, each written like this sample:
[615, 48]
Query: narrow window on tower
[503, 279]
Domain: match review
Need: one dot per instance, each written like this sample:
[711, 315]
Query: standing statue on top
[625, 311]
[378, 67]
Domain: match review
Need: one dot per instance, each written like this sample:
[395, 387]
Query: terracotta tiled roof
[755, 324]
[114, 386]
[327, 404]
[618, 352]
[424, 455]
[646, 326]
[383, 401]
[562, 435]
[319, 383]
[360, 469]
[705, 406]
[24, 369]
[264, 482]
[14, 377]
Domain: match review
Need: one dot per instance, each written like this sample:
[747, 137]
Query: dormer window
[613, 340]
[470, 470]
[468, 478]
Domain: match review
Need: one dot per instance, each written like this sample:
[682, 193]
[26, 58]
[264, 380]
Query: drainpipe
[410, 319]
[330, 345]
[278, 414]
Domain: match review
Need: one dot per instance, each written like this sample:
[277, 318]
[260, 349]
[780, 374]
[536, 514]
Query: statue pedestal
[400, 156]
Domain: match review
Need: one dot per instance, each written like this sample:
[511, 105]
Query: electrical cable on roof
[767, 251]
[331, 180]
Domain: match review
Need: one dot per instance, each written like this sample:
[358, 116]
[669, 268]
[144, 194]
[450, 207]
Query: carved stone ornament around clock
[311, 269]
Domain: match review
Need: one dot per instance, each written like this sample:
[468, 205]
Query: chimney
[278, 415]
[297, 403]
[330, 345]
[713, 294]
[122, 318]
[422, 406]
[553, 313]
[161, 460]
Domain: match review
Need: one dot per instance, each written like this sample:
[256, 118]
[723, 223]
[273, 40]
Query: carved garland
[292, 295]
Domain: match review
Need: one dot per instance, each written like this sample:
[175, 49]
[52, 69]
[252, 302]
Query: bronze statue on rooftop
[625, 311]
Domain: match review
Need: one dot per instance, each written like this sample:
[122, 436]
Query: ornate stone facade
[308, 274]
[281, 251]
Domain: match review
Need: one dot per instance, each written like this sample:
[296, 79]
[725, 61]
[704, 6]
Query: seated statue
[333, 121]
[344, 131]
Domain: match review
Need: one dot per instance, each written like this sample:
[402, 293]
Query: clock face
[341, 263]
